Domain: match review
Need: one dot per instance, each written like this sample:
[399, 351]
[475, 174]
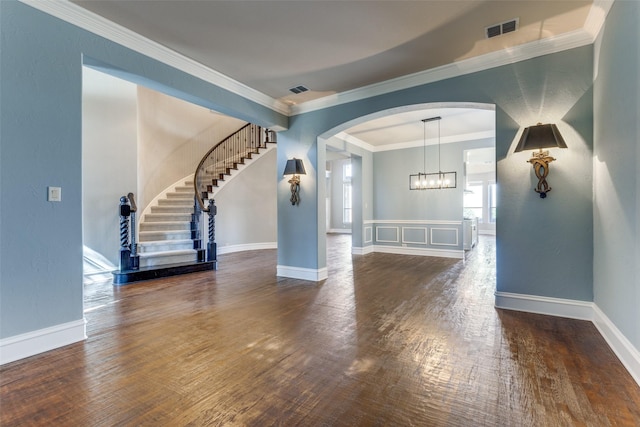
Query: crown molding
[89, 21]
[350, 139]
[434, 141]
[596, 17]
[411, 144]
[574, 39]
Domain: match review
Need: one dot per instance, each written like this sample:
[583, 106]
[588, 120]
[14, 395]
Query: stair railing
[129, 258]
[218, 162]
[226, 156]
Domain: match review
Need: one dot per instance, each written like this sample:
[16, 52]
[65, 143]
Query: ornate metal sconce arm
[540, 162]
[295, 190]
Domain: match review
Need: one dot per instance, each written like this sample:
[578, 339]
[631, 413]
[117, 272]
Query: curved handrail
[226, 155]
[132, 202]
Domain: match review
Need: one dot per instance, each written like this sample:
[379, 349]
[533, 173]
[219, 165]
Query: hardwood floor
[386, 340]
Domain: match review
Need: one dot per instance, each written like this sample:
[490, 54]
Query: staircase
[166, 235]
[169, 240]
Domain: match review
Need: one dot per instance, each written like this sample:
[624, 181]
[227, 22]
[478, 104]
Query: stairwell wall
[247, 207]
[109, 157]
[173, 136]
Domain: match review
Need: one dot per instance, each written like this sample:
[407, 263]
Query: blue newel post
[211, 246]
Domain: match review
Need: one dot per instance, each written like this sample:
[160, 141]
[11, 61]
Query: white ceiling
[407, 129]
[337, 46]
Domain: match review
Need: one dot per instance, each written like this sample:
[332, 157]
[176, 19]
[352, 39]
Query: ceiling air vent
[502, 28]
[299, 89]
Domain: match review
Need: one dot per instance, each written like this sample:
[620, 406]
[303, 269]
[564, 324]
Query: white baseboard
[402, 250]
[314, 275]
[36, 342]
[621, 346]
[246, 247]
[362, 250]
[582, 310]
[339, 231]
[572, 309]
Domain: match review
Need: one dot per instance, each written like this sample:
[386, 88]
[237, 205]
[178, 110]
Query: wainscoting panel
[444, 237]
[387, 234]
[415, 235]
[368, 234]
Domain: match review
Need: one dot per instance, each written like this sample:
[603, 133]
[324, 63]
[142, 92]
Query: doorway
[389, 145]
[480, 189]
[339, 194]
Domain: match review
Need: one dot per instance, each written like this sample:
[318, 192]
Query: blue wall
[544, 247]
[617, 170]
[40, 132]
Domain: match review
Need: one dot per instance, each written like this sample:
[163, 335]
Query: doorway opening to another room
[480, 189]
[373, 199]
[339, 195]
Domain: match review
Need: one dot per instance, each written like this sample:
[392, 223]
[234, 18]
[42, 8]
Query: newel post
[211, 246]
[129, 258]
[195, 230]
[125, 252]
[135, 258]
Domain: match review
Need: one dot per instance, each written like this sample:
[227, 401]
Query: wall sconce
[536, 138]
[294, 167]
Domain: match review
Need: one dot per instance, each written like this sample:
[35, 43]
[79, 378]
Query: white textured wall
[247, 205]
[109, 157]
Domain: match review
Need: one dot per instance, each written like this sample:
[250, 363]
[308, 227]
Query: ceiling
[336, 46]
[407, 129]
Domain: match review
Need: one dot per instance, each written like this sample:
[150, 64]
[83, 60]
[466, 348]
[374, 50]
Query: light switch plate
[54, 194]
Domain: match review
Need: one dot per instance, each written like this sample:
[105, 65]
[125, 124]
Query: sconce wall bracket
[536, 138]
[540, 161]
[295, 168]
[294, 182]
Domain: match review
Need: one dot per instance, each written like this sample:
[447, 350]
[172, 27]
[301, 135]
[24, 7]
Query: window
[346, 194]
[473, 201]
[492, 202]
[347, 171]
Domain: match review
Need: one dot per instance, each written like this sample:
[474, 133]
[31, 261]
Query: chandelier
[436, 180]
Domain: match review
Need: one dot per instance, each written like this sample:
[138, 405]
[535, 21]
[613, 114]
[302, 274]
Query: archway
[469, 125]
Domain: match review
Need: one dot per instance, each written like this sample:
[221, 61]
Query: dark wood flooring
[386, 340]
